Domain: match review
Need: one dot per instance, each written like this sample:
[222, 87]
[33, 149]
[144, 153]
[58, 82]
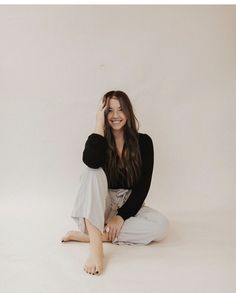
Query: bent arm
[94, 154]
[141, 188]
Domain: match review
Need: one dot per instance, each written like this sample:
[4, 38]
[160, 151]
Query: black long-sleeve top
[94, 156]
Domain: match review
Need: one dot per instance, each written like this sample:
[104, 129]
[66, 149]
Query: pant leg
[90, 202]
[146, 226]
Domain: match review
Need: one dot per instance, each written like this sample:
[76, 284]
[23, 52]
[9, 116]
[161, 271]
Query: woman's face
[116, 117]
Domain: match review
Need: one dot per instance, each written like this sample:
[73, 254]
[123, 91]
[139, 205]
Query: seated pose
[117, 174]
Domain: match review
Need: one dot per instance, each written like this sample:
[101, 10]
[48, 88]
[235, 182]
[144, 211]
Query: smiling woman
[110, 203]
[116, 116]
[121, 133]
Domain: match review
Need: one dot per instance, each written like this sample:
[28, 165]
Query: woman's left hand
[114, 225]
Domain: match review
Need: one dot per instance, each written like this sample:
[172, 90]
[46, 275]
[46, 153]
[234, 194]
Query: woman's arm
[94, 154]
[141, 188]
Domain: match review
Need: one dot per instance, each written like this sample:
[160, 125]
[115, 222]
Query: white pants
[97, 203]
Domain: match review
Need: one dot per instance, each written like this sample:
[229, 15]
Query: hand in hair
[100, 116]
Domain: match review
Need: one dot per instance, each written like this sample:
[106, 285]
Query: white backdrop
[176, 63]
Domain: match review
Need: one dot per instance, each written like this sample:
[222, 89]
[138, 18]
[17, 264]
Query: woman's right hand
[100, 116]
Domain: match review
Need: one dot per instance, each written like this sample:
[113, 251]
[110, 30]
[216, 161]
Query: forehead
[114, 103]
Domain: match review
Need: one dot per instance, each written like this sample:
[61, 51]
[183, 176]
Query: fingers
[112, 234]
[104, 104]
[112, 231]
[108, 230]
[100, 105]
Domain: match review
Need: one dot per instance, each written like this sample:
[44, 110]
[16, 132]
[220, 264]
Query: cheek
[124, 118]
[109, 120]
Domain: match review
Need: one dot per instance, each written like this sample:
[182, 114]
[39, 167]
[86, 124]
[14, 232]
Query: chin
[117, 129]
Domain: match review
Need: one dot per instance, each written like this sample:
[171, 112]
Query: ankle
[96, 247]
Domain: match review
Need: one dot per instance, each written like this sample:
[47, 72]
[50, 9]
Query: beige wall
[177, 64]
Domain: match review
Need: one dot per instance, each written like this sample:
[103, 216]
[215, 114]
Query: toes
[64, 239]
[98, 270]
[92, 270]
[87, 270]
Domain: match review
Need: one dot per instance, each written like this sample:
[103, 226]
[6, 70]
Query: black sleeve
[94, 154]
[141, 188]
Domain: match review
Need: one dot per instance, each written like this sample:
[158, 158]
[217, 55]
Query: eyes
[118, 110]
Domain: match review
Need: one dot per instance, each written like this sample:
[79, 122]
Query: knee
[92, 172]
[160, 228]
[87, 169]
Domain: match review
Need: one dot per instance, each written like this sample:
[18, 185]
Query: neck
[118, 135]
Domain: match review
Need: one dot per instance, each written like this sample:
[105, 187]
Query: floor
[198, 255]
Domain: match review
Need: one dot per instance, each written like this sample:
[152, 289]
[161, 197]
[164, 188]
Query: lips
[116, 121]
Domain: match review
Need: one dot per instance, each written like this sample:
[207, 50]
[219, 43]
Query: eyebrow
[112, 108]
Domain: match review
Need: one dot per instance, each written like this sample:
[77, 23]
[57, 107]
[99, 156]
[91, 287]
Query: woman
[110, 203]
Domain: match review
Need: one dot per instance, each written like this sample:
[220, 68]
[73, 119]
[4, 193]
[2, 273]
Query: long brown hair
[130, 163]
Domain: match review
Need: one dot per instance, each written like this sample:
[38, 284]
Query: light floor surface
[198, 255]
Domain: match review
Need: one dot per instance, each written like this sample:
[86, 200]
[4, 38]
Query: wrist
[99, 128]
[120, 217]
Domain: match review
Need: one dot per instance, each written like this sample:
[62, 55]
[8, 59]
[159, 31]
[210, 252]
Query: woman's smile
[116, 116]
[116, 121]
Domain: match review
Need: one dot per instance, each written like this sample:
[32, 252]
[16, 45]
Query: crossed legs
[95, 261]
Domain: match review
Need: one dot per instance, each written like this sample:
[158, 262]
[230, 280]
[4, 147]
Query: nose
[115, 114]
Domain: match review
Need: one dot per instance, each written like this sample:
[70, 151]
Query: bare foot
[94, 263]
[75, 236]
[81, 237]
